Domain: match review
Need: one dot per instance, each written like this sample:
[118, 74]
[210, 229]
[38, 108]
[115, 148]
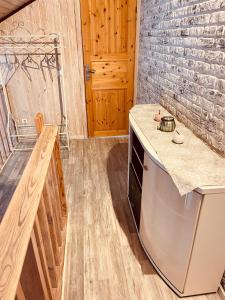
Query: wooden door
[109, 32]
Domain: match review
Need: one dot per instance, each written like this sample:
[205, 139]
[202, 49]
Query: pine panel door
[109, 33]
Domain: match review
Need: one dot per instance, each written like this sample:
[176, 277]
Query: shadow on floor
[117, 168]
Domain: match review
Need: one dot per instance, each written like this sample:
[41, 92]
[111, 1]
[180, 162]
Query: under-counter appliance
[135, 178]
[181, 235]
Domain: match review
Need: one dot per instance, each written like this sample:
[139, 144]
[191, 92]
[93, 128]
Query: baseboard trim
[99, 137]
[221, 292]
[78, 137]
[110, 137]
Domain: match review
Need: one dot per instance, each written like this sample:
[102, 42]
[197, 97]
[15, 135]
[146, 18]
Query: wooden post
[48, 247]
[32, 277]
[40, 248]
[59, 171]
[39, 122]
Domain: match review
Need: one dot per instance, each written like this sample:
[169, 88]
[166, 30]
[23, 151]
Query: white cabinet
[182, 236]
[168, 223]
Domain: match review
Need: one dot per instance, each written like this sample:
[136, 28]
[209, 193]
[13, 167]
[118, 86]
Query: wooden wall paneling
[86, 34]
[42, 96]
[80, 63]
[53, 86]
[71, 21]
[52, 16]
[10, 6]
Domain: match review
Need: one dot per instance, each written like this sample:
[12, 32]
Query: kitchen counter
[191, 165]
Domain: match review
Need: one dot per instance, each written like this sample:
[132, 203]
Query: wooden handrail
[33, 225]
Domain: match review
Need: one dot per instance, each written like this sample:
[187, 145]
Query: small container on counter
[167, 124]
[178, 138]
[158, 117]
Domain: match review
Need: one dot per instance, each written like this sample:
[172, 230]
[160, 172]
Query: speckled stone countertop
[192, 164]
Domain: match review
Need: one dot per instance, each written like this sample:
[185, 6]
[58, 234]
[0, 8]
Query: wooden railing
[5, 146]
[32, 232]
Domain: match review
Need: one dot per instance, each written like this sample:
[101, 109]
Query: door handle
[88, 72]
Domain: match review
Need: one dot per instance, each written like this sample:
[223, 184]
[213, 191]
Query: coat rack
[32, 52]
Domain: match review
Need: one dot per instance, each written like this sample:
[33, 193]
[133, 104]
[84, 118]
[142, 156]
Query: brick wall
[182, 63]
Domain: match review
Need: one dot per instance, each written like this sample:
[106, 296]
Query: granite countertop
[192, 164]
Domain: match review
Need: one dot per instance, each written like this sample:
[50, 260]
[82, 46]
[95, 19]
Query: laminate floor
[104, 259]
[12, 172]
[9, 178]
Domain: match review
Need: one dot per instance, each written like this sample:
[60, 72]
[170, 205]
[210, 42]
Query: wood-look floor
[9, 178]
[104, 258]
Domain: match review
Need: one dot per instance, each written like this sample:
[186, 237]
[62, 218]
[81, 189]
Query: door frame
[137, 42]
[136, 56]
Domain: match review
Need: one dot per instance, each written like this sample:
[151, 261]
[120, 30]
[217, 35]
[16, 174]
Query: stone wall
[182, 63]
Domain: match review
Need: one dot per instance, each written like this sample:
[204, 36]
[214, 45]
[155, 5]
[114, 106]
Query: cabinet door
[168, 223]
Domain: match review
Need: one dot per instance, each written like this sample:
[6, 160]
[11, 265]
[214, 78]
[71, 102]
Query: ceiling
[8, 7]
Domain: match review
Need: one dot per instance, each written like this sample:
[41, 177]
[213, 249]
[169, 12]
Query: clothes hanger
[52, 62]
[29, 63]
[25, 70]
[4, 66]
[9, 66]
[42, 66]
[45, 64]
[14, 66]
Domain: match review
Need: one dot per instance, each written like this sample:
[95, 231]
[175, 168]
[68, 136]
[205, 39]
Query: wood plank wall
[7, 7]
[27, 97]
